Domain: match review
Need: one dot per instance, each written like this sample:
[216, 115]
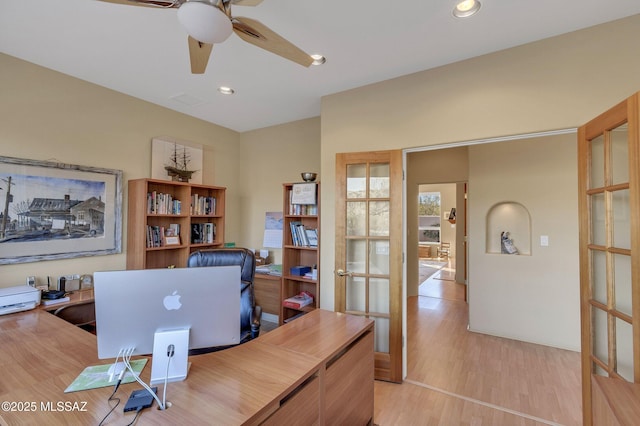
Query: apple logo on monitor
[172, 301]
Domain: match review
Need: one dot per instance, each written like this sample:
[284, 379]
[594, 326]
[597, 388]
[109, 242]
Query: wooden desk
[267, 292]
[317, 369]
[74, 298]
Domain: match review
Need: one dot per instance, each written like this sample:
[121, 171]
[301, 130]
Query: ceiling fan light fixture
[466, 8]
[318, 59]
[205, 22]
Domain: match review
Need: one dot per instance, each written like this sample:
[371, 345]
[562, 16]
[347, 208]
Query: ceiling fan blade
[148, 3]
[258, 34]
[246, 2]
[199, 54]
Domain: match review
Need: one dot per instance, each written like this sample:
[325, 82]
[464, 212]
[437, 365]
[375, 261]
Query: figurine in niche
[506, 244]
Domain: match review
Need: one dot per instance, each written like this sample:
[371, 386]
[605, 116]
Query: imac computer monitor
[131, 306]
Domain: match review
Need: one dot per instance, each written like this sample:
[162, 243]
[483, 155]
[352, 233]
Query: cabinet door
[609, 207]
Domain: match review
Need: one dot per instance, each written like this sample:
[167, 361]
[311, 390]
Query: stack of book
[298, 301]
[203, 205]
[302, 236]
[203, 233]
[160, 203]
[157, 235]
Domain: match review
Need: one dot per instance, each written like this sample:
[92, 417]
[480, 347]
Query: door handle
[342, 273]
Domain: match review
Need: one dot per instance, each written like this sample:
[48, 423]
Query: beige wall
[49, 116]
[535, 297]
[273, 156]
[555, 83]
[46, 115]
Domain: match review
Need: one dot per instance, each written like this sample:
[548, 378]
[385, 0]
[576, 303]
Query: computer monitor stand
[170, 348]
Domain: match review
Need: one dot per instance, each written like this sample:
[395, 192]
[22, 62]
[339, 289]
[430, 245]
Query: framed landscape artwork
[50, 210]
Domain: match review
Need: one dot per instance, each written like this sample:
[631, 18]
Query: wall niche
[511, 217]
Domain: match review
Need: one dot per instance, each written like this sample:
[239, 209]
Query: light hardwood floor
[456, 377]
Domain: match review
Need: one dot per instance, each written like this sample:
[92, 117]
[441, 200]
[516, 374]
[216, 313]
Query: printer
[19, 298]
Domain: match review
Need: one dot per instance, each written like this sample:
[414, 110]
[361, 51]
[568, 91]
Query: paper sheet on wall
[272, 230]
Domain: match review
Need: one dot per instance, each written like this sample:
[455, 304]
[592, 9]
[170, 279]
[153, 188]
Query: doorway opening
[437, 235]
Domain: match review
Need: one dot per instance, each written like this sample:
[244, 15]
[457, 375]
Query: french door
[609, 208]
[368, 263]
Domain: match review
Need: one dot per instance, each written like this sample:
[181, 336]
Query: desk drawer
[302, 408]
[267, 291]
[349, 385]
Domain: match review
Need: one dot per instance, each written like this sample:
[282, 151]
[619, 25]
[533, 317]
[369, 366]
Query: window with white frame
[429, 217]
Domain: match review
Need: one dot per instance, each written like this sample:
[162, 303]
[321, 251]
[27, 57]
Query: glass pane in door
[598, 230]
[379, 257]
[619, 155]
[356, 256]
[599, 276]
[356, 218]
[356, 288]
[622, 280]
[356, 180]
[624, 349]
[378, 218]
[596, 178]
[621, 219]
[379, 181]
[381, 340]
[378, 295]
[600, 333]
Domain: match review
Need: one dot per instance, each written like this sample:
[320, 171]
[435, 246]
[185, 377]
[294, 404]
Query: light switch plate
[544, 240]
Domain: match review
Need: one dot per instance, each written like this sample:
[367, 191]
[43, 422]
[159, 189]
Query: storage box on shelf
[168, 220]
[300, 253]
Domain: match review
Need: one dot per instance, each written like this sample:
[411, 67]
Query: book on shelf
[303, 209]
[298, 301]
[203, 233]
[202, 205]
[155, 236]
[312, 237]
[302, 236]
[160, 203]
[160, 236]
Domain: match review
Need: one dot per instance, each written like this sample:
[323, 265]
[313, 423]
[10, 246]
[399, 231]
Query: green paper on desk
[270, 269]
[97, 376]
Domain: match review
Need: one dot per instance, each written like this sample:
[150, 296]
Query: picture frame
[303, 193]
[172, 240]
[51, 210]
[176, 160]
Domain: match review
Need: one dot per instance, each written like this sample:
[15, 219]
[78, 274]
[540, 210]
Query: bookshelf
[195, 212]
[301, 225]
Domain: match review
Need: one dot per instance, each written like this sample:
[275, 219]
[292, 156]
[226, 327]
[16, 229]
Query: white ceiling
[143, 52]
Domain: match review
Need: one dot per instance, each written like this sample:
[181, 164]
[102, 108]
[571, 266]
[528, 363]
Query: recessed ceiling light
[318, 59]
[466, 8]
[226, 90]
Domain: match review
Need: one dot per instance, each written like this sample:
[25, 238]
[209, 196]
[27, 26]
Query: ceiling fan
[210, 21]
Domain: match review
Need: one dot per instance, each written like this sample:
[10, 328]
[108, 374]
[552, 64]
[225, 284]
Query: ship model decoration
[177, 168]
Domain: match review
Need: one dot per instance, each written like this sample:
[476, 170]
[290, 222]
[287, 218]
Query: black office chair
[82, 314]
[249, 312]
